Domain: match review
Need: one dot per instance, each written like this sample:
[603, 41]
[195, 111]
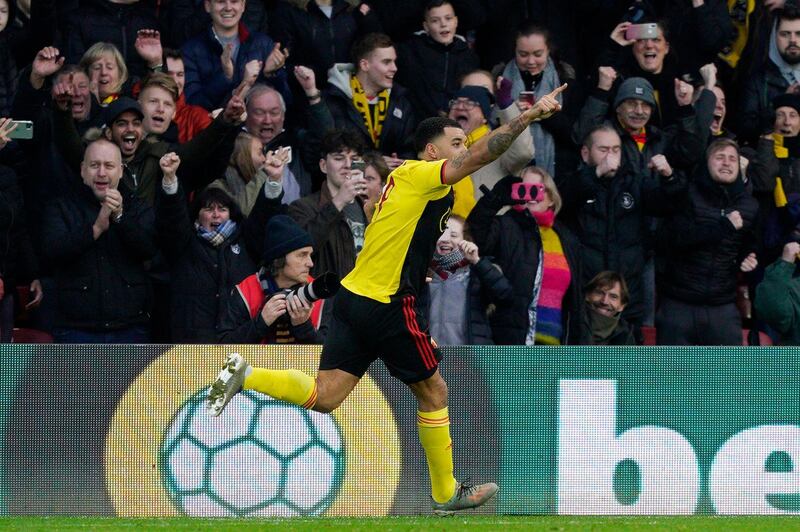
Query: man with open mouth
[471, 107]
[775, 174]
[136, 131]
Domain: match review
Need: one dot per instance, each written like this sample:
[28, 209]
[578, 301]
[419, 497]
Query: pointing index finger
[558, 90]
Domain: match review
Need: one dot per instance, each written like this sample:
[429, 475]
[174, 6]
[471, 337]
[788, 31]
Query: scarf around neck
[602, 326]
[216, 237]
[373, 115]
[476, 134]
[445, 265]
[552, 283]
[543, 142]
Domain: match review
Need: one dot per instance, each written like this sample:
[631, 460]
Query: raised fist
[62, 93]
[749, 263]
[46, 63]
[169, 164]
[659, 164]
[791, 252]
[736, 219]
[709, 74]
[683, 92]
[305, 77]
[606, 76]
[470, 250]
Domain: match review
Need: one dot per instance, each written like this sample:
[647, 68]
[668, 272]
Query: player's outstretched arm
[491, 146]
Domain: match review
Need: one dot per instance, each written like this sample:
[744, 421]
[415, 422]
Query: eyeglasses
[468, 104]
[525, 191]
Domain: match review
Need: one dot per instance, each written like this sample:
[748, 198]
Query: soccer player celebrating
[374, 312]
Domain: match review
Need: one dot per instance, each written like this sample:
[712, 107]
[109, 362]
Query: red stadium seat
[23, 296]
[31, 336]
[763, 338]
[649, 335]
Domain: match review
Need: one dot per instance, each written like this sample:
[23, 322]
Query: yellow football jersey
[401, 238]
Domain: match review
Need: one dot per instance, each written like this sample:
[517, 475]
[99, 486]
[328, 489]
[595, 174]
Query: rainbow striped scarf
[555, 282]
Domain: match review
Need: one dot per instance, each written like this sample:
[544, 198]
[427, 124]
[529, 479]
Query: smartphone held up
[22, 131]
[643, 31]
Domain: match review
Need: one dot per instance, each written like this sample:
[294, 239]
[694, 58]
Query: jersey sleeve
[427, 177]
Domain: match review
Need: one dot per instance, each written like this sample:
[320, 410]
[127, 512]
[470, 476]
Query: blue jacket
[207, 86]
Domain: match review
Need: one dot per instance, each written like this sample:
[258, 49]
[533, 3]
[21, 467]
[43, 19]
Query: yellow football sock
[434, 433]
[287, 385]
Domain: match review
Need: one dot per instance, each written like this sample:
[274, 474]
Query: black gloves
[500, 195]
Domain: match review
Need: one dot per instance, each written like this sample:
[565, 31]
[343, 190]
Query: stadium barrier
[120, 430]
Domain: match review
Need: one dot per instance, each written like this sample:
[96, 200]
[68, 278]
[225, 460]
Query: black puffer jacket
[432, 71]
[488, 289]
[106, 21]
[609, 216]
[701, 247]
[514, 241]
[102, 284]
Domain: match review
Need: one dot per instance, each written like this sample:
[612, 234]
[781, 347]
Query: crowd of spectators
[192, 161]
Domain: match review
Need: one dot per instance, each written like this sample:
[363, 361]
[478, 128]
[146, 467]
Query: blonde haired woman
[107, 72]
[539, 256]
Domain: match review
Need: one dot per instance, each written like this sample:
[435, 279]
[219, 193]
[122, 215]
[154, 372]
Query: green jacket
[778, 300]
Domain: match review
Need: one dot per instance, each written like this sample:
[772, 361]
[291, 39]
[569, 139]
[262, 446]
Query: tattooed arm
[491, 146]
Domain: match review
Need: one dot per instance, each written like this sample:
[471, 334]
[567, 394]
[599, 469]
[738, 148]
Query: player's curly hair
[429, 129]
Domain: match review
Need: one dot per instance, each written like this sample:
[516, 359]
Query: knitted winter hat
[283, 237]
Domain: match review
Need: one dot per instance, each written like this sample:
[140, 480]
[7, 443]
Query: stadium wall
[120, 430]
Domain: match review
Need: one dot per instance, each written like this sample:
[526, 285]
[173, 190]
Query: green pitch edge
[416, 523]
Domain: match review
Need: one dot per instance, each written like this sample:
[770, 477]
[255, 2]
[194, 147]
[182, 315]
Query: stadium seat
[649, 335]
[23, 297]
[31, 336]
[763, 338]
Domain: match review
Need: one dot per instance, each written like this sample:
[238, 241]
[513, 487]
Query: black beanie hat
[787, 100]
[283, 237]
[479, 95]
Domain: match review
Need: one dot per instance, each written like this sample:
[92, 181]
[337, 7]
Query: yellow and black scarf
[740, 13]
[373, 115]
